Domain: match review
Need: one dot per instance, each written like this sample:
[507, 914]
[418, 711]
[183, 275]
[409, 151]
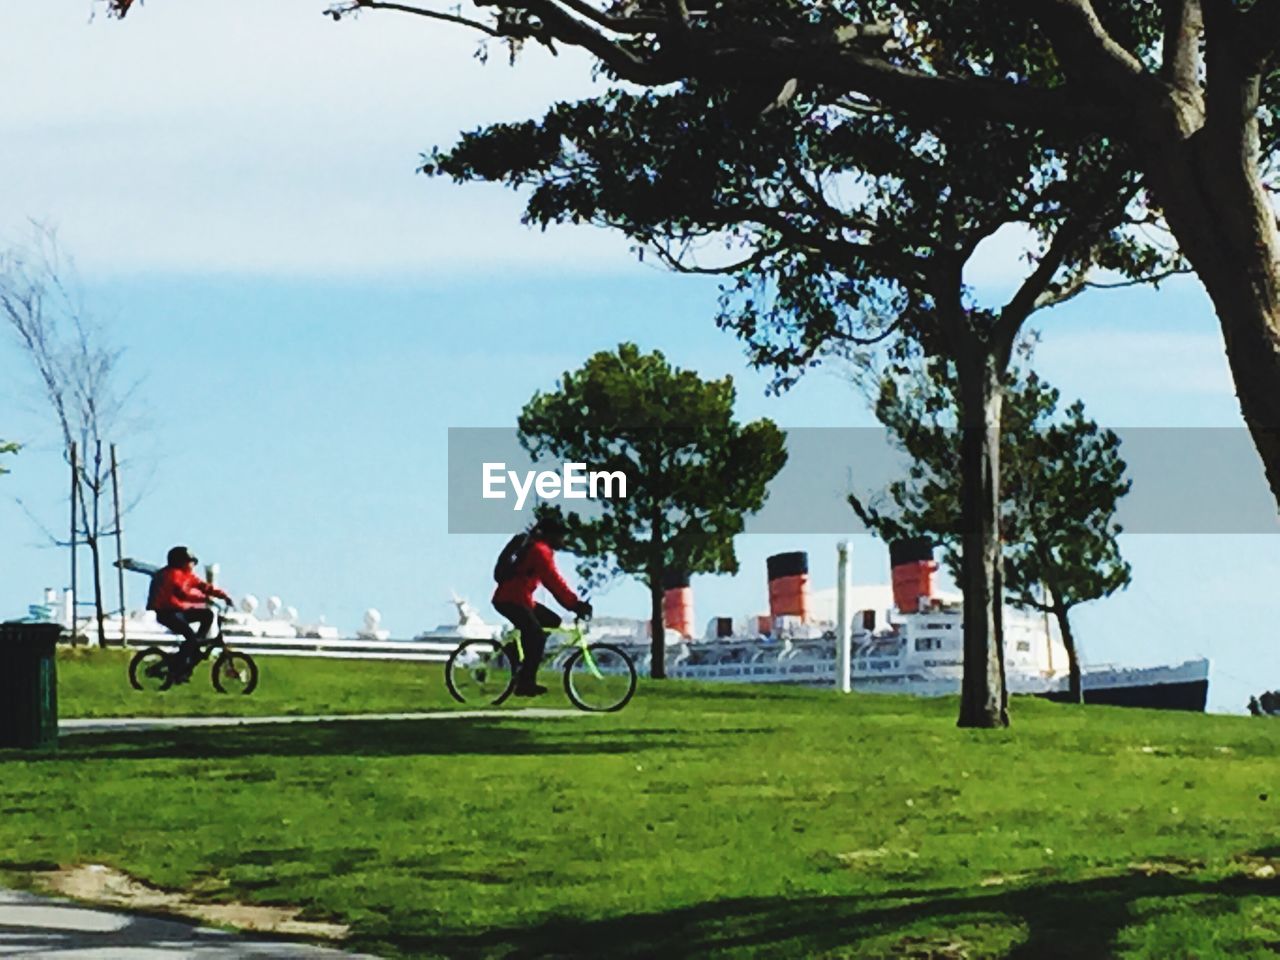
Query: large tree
[693, 473]
[1125, 78]
[1188, 91]
[1061, 482]
[831, 253]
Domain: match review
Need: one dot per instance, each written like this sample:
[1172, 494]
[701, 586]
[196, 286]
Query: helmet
[180, 557]
[549, 527]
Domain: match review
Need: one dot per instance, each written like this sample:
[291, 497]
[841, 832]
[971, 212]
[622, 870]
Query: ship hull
[1182, 687]
[1190, 695]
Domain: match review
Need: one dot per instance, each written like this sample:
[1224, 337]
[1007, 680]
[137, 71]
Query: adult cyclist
[527, 561]
[180, 600]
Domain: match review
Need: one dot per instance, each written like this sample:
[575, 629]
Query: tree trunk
[658, 645]
[658, 648]
[96, 557]
[1209, 186]
[983, 699]
[1075, 689]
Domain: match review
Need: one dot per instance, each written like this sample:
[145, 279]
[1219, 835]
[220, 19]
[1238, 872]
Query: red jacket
[538, 566]
[177, 588]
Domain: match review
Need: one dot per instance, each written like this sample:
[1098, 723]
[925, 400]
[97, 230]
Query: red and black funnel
[789, 585]
[913, 568]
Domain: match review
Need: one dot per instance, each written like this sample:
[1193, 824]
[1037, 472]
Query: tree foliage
[1061, 481]
[838, 230]
[7, 446]
[1184, 93]
[1143, 118]
[693, 472]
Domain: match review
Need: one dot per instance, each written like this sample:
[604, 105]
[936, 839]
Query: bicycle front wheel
[600, 678]
[479, 671]
[235, 672]
[149, 670]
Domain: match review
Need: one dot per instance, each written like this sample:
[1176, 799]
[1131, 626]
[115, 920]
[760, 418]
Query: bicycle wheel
[601, 680]
[479, 671]
[234, 672]
[149, 670]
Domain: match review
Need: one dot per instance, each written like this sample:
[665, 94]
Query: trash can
[29, 685]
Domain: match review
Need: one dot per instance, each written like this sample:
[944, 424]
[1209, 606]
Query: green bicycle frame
[579, 640]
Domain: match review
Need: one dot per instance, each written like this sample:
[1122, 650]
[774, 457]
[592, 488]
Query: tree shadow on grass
[1068, 919]
[369, 738]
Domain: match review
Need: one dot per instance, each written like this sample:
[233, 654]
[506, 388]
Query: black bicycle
[234, 671]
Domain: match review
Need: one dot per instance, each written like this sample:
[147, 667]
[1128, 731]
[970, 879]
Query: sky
[303, 318]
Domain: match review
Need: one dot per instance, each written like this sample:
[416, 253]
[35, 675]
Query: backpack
[510, 557]
[153, 591]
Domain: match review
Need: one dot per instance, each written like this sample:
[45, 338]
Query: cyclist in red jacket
[180, 600]
[527, 562]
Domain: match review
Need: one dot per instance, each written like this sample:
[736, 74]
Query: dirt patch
[104, 886]
[1260, 868]
[931, 948]
[1000, 879]
[1166, 867]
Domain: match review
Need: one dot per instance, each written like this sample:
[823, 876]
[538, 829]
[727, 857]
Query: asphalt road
[113, 724]
[34, 926]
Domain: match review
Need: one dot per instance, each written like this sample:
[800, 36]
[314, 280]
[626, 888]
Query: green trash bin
[29, 685]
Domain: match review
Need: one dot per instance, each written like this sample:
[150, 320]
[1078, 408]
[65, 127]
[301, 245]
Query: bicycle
[598, 677]
[234, 671]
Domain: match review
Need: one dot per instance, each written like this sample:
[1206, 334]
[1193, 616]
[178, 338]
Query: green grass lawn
[703, 820]
[94, 683]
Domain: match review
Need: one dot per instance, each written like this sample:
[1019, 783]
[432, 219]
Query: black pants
[180, 622]
[533, 625]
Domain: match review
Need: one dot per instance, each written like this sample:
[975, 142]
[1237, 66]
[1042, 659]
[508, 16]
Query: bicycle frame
[577, 638]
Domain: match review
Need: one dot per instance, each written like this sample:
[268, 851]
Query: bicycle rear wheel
[149, 670]
[602, 679]
[479, 671]
[235, 672]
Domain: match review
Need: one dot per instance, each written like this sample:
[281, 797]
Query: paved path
[32, 926]
[109, 724]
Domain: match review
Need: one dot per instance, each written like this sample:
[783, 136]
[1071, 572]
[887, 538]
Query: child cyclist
[180, 600]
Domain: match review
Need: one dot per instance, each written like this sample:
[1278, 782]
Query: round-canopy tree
[693, 472]
[1061, 481]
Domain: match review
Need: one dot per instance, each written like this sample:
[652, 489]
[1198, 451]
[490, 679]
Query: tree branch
[1078, 225]
[872, 340]
[1092, 59]
[1232, 85]
[627, 65]
[632, 25]
[339, 10]
[1261, 30]
[1183, 24]
[1024, 301]
[814, 194]
[677, 263]
[836, 59]
[844, 69]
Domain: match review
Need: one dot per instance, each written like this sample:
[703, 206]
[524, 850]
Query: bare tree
[79, 376]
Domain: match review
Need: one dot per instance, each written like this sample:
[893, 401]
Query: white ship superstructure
[905, 639]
